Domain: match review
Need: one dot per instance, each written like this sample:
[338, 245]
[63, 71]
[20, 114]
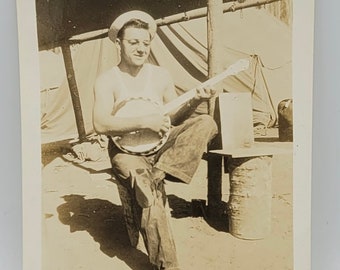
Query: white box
[236, 120]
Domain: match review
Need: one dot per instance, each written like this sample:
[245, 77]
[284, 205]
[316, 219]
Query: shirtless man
[179, 158]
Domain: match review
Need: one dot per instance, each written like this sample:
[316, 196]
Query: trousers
[178, 158]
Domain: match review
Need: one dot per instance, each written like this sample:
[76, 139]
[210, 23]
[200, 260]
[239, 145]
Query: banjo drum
[146, 142]
[141, 142]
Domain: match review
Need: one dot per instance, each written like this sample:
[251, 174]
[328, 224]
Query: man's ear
[118, 43]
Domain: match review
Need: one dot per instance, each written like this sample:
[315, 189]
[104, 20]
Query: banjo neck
[239, 66]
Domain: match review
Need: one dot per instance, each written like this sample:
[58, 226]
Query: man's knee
[123, 164]
[208, 123]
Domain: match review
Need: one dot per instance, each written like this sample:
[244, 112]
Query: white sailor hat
[122, 19]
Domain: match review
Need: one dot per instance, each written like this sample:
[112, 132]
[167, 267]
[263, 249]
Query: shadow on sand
[181, 208]
[105, 223]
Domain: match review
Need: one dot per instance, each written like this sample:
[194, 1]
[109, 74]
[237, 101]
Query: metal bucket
[285, 113]
[249, 206]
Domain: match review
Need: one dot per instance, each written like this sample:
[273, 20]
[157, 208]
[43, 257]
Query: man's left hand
[205, 93]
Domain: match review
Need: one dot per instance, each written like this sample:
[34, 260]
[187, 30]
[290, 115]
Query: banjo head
[140, 142]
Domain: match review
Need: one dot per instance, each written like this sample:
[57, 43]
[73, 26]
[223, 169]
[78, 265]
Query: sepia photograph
[166, 134]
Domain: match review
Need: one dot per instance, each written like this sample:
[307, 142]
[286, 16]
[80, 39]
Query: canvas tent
[181, 48]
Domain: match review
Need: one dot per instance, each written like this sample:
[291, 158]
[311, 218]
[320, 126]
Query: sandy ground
[83, 225]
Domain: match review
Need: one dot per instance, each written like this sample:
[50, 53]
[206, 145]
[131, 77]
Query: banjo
[146, 142]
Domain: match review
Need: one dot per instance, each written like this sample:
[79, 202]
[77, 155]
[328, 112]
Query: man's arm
[186, 110]
[106, 123]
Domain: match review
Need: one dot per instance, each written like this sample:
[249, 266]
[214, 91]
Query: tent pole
[189, 15]
[73, 90]
[214, 27]
[202, 12]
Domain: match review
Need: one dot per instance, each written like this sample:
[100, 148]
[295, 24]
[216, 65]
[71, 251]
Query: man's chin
[139, 60]
[139, 63]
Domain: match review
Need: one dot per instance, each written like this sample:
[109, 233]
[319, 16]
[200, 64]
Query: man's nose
[141, 48]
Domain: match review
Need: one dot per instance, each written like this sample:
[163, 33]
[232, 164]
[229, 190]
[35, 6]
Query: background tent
[181, 48]
[59, 20]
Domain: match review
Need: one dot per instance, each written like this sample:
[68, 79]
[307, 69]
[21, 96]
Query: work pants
[179, 158]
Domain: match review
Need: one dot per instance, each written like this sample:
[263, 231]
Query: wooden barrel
[249, 206]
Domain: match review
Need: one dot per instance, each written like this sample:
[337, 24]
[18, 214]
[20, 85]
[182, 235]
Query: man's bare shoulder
[106, 79]
[161, 72]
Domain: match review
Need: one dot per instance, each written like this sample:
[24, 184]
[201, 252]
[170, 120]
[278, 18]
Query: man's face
[135, 46]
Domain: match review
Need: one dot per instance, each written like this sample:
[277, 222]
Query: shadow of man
[104, 222]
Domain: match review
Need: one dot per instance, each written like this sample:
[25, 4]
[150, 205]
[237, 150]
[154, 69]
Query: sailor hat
[122, 19]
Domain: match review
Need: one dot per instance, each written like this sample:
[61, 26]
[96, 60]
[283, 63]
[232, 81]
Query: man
[179, 158]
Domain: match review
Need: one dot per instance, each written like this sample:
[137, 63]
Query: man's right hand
[157, 123]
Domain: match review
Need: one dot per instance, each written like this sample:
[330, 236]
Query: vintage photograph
[166, 134]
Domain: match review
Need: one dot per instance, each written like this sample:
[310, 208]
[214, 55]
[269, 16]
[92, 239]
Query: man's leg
[152, 221]
[182, 154]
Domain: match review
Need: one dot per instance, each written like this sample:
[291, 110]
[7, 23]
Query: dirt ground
[83, 227]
